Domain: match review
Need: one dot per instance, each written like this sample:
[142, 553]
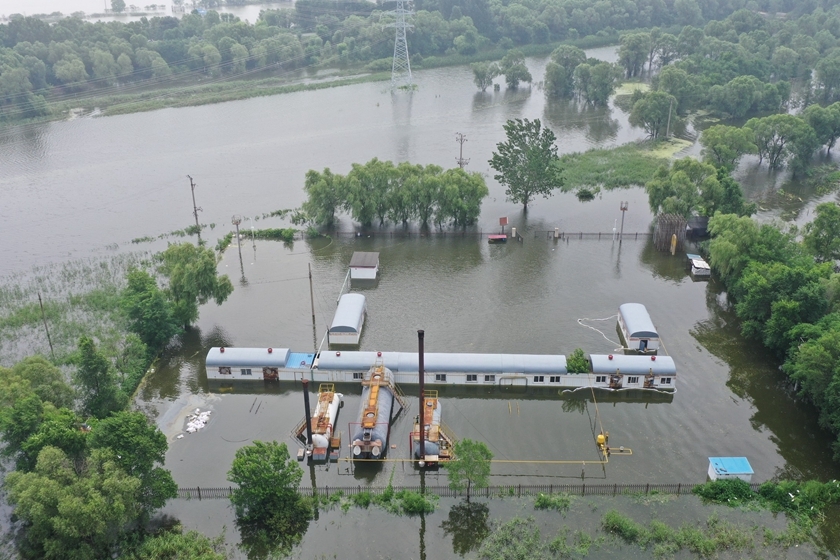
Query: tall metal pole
[306, 411]
[624, 206]
[420, 418]
[311, 294]
[461, 138]
[668, 127]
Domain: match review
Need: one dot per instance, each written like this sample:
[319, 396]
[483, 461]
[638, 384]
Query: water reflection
[401, 103]
[23, 144]
[662, 264]
[569, 115]
[755, 377]
[468, 524]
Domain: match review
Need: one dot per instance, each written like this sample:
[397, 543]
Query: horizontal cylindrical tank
[323, 439]
[430, 447]
[372, 442]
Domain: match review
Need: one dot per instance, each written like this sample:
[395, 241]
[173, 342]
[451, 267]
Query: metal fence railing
[580, 489]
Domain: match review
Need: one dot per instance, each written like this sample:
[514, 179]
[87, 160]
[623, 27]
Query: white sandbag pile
[197, 420]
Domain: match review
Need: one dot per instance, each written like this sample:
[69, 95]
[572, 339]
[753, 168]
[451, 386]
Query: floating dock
[438, 441]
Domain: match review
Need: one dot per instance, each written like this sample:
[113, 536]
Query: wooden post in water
[421, 374]
[46, 328]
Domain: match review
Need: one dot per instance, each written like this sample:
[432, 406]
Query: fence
[483, 234]
[582, 489]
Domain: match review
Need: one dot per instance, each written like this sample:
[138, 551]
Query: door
[271, 374]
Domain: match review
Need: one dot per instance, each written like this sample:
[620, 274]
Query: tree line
[379, 191]
[41, 62]
[787, 296]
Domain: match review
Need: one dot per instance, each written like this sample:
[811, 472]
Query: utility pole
[461, 138]
[46, 328]
[311, 295]
[668, 127]
[236, 220]
[196, 209]
[623, 208]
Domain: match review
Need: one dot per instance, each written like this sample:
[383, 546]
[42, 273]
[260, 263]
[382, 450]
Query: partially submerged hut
[349, 318]
[618, 371]
[364, 265]
[637, 328]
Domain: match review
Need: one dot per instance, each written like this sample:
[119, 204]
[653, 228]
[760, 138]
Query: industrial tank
[370, 440]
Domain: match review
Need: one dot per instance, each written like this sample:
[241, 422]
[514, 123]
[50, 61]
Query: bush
[558, 502]
[727, 492]
[414, 503]
[624, 527]
[576, 362]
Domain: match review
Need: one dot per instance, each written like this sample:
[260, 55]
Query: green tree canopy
[139, 447]
[325, 192]
[775, 137]
[96, 381]
[527, 163]
[687, 187]
[470, 467]
[69, 512]
[651, 112]
[484, 73]
[172, 545]
[826, 123]
[724, 145]
[269, 508]
[822, 235]
[633, 52]
[193, 281]
[149, 313]
[514, 68]
[42, 378]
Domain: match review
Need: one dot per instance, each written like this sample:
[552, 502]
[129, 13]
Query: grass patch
[624, 166]
[716, 536]
[669, 148]
[628, 88]
[557, 502]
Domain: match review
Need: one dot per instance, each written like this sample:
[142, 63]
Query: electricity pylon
[401, 67]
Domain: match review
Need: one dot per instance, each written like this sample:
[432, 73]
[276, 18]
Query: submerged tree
[527, 164]
[193, 280]
[96, 381]
[271, 513]
[484, 73]
[470, 467]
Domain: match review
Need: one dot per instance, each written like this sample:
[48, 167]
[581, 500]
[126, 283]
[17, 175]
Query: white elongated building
[346, 327]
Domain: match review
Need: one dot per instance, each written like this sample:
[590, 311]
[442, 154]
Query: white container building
[618, 371]
[637, 328]
[257, 363]
[364, 265]
[349, 318]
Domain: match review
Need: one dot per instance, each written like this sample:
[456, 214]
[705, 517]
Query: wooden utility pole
[461, 138]
[46, 328]
[196, 209]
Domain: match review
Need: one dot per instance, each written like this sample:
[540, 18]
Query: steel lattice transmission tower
[401, 67]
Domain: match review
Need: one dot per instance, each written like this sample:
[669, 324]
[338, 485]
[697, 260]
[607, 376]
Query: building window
[665, 381]
[600, 379]
[472, 378]
[245, 371]
[358, 375]
[539, 379]
[632, 380]
[440, 377]
[554, 379]
[489, 378]
[224, 371]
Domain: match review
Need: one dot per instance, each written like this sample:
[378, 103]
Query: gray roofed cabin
[255, 363]
[349, 318]
[364, 265]
[637, 328]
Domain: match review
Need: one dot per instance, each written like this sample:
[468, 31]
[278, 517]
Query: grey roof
[350, 309]
[362, 259]
[253, 357]
[446, 363]
[637, 320]
[659, 365]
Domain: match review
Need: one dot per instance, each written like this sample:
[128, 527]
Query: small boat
[497, 238]
[698, 267]
[438, 443]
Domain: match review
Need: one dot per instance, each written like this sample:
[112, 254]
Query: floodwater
[89, 186]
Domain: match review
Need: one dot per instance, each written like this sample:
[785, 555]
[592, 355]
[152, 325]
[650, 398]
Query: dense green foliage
[172, 545]
[577, 362]
[192, 280]
[691, 187]
[470, 467]
[96, 381]
[270, 512]
[798, 499]
[628, 165]
[527, 164]
[384, 192]
[788, 298]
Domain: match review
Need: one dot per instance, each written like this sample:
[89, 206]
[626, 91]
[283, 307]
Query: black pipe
[306, 411]
[422, 374]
